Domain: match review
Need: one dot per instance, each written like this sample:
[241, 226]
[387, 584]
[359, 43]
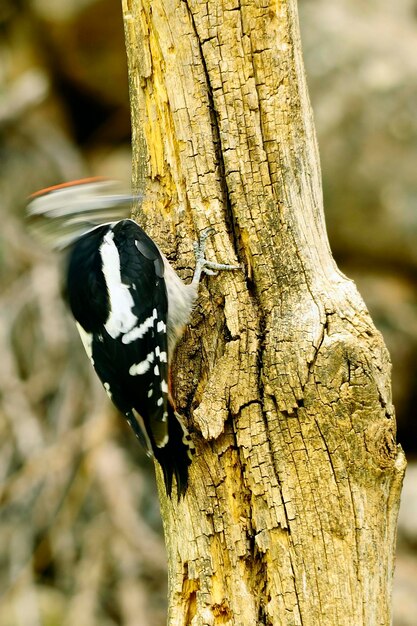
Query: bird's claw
[202, 265]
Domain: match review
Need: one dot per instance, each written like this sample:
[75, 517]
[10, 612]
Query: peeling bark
[291, 511]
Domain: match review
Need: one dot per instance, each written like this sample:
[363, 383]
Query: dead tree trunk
[291, 511]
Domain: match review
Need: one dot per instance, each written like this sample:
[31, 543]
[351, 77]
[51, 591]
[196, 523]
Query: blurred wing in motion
[59, 215]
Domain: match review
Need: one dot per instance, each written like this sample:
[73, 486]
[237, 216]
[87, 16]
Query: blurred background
[80, 535]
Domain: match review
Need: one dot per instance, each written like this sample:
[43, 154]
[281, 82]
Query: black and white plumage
[131, 308]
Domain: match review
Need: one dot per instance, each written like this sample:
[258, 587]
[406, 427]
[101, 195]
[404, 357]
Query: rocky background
[81, 541]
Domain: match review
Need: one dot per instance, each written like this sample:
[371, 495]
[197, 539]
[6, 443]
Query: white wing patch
[121, 319]
[143, 366]
[87, 339]
[139, 331]
[162, 355]
[161, 327]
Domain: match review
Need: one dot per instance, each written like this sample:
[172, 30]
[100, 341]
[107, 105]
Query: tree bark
[290, 515]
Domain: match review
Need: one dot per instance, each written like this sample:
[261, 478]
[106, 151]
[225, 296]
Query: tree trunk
[290, 516]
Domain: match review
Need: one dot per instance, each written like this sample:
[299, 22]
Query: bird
[130, 308]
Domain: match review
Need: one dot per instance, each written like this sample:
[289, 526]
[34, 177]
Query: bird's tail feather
[176, 455]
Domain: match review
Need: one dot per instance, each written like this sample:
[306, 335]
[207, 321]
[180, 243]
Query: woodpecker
[130, 308]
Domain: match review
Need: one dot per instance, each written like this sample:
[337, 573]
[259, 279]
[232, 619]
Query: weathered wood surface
[291, 511]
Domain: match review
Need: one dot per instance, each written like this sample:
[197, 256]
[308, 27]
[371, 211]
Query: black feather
[121, 361]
